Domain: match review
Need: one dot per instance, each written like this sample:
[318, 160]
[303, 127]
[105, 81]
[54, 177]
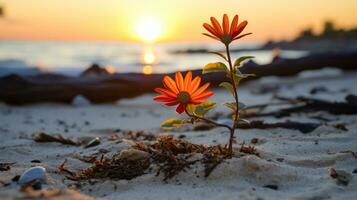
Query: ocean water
[71, 58]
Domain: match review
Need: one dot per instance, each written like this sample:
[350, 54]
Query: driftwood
[15, 89]
[302, 127]
[44, 138]
[298, 105]
[259, 124]
[305, 105]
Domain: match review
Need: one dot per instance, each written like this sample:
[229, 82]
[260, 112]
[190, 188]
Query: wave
[14, 66]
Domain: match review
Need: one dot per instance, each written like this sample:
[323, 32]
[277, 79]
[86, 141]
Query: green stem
[208, 120]
[236, 115]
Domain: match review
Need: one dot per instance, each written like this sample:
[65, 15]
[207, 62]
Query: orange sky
[181, 19]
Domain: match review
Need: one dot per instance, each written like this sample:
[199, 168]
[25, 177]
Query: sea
[72, 57]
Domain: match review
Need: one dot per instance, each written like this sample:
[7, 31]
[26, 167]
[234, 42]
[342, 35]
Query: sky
[179, 20]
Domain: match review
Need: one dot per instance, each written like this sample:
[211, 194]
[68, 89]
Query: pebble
[342, 177]
[273, 187]
[80, 100]
[134, 155]
[15, 178]
[94, 142]
[254, 140]
[355, 171]
[33, 174]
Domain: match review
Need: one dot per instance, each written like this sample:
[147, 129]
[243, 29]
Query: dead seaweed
[176, 155]
[169, 155]
[114, 168]
[6, 166]
[248, 149]
[174, 165]
[211, 162]
[44, 137]
[140, 135]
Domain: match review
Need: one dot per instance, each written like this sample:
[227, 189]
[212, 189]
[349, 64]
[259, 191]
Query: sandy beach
[178, 100]
[290, 164]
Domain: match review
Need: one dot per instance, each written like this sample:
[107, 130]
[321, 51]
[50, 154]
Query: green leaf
[203, 108]
[239, 77]
[228, 86]
[241, 59]
[233, 116]
[214, 67]
[232, 105]
[173, 123]
[220, 55]
[191, 108]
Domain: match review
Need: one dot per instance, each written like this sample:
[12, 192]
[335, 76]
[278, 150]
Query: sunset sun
[149, 29]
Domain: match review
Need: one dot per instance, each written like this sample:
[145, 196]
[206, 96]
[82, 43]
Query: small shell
[33, 174]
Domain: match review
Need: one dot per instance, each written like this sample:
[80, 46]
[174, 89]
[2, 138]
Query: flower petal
[200, 90]
[225, 24]
[181, 108]
[165, 92]
[187, 81]
[210, 29]
[172, 103]
[217, 27]
[203, 96]
[164, 99]
[194, 85]
[240, 28]
[211, 36]
[196, 101]
[170, 84]
[179, 81]
[236, 38]
[234, 25]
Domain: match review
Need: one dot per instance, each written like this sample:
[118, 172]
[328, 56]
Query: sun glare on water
[149, 29]
[149, 56]
[148, 59]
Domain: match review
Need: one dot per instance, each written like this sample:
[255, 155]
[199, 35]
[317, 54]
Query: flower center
[183, 97]
[226, 39]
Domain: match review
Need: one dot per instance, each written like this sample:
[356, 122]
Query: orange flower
[182, 92]
[225, 33]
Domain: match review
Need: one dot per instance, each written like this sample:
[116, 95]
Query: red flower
[182, 91]
[225, 33]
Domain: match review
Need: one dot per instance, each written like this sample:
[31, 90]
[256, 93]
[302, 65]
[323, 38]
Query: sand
[292, 165]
